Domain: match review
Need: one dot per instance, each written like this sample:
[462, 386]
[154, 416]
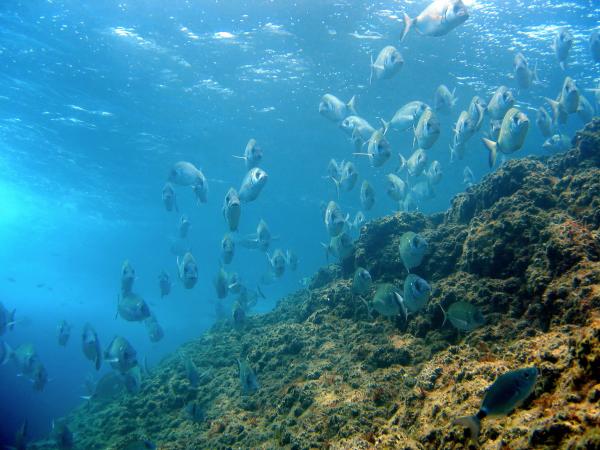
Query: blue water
[98, 100]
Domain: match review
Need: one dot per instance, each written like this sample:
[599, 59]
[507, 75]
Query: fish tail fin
[385, 126]
[337, 186]
[473, 423]
[493, 150]
[371, 76]
[351, 105]
[408, 22]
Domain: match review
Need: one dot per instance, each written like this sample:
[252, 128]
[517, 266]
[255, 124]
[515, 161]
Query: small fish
[169, 198]
[359, 219]
[506, 393]
[563, 41]
[235, 283]
[457, 148]
[340, 246]
[39, 376]
[523, 74]
[396, 188]
[221, 283]
[438, 19]
[200, 189]
[417, 162]
[569, 96]
[164, 284]
[155, 331]
[187, 270]
[585, 110]
[133, 308]
[335, 221]
[184, 226]
[227, 248]
[232, 209]
[464, 128]
[407, 116]
[422, 191]
[91, 345]
[7, 319]
[416, 292]
[253, 154]
[434, 173]
[191, 372]
[127, 277]
[277, 263]
[120, 354]
[132, 379]
[595, 45]
[378, 149]
[512, 135]
[238, 315]
[388, 63]
[184, 173]
[557, 143]
[195, 412]
[252, 184]
[367, 196]
[544, 122]
[412, 249]
[248, 379]
[427, 130]
[64, 332]
[468, 177]
[388, 302]
[362, 281]
[500, 103]
[260, 240]
[443, 99]
[495, 126]
[463, 316]
[336, 110]
[476, 111]
[348, 178]
[358, 129]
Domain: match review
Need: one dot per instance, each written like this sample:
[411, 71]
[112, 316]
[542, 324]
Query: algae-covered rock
[522, 247]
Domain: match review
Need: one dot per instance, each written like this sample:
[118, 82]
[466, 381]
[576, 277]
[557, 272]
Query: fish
[563, 41]
[505, 394]
[585, 110]
[594, 42]
[184, 226]
[334, 109]
[133, 307]
[132, 379]
[388, 302]
[443, 99]
[362, 281]
[21, 437]
[468, 177]
[427, 130]
[334, 169]
[464, 129]
[164, 284]
[388, 63]
[110, 387]
[523, 74]
[407, 116]
[187, 270]
[367, 196]
[39, 376]
[260, 240]
[412, 249]
[127, 277]
[396, 188]
[195, 411]
[502, 100]
[359, 219]
[238, 315]
[7, 319]
[457, 148]
[348, 178]
[434, 173]
[437, 19]
[235, 283]
[248, 380]
[227, 249]
[252, 185]
[232, 209]
[557, 143]
[191, 372]
[91, 345]
[544, 122]
[495, 126]
[569, 96]
[476, 110]
[291, 260]
[358, 129]
[25, 357]
[416, 292]
[422, 191]
[277, 263]
[63, 330]
[221, 283]
[512, 135]
[253, 154]
[155, 331]
[169, 198]
[335, 221]
[120, 354]
[340, 246]
[378, 149]
[62, 435]
[200, 188]
[184, 173]
[464, 316]
[417, 162]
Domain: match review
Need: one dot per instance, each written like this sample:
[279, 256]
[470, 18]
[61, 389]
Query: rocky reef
[523, 246]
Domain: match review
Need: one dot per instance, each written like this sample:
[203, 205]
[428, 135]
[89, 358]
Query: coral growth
[523, 246]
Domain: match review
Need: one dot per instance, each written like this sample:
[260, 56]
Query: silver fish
[438, 19]
[253, 154]
[512, 135]
[563, 41]
[500, 103]
[253, 184]
[427, 130]
[336, 110]
[367, 196]
[388, 63]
